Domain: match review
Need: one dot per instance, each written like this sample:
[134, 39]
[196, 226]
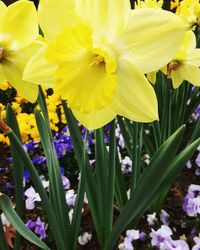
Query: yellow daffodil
[18, 30]
[185, 65]
[189, 11]
[148, 4]
[97, 54]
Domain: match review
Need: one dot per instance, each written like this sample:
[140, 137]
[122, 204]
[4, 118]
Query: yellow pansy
[98, 53]
[174, 4]
[148, 4]
[185, 65]
[18, 30]
[189, 11]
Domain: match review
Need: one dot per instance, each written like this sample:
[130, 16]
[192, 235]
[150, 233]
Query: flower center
[97, 60]
[1, 52]
[173, 66]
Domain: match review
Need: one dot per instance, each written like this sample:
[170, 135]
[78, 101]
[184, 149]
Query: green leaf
[38, 186]
[56, 189]
[145, 188]
[18, 224]
[18, 169]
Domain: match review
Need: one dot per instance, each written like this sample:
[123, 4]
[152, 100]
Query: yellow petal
[194, 57]
[152, 38]
[21, 22]
[3, 9]
[95, 119]
[190, 73]
[2, 77]
[177, 78]
[39, 70]
[13, 75]
[135, 97]
[54, 16]
[107, 17]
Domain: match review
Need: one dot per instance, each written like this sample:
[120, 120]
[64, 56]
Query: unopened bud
[4, 127]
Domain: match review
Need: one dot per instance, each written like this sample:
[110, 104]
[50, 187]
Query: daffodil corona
[18, 30]
[97, 54]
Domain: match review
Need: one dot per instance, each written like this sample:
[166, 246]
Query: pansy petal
[144, 43]
[39, 70]
[26, 89]
[54, 16]
[109, 18]
[95, 119]
[135, 97]
[21, 21]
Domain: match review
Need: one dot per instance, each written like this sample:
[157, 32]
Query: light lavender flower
[32, 197]
[126, 165]
[191, 203]
[164, 217]
[197, 245]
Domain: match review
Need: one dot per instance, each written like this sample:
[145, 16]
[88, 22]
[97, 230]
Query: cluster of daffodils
[94, 54]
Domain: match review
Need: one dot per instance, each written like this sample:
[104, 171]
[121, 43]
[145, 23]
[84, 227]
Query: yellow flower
[4, 85]
[18, 30]
[185, 65]
[174, 4]
[189, 11]
[98, 53]
[148, 4]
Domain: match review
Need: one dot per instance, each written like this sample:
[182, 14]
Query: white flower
[151, 219]
[84, 238]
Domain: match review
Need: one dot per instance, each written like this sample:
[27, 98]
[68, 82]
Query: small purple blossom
[164, 217]
[70, 197]
[198, 160]
[126, 165]
[197, 245]
[191, 203]
[38, 226]
[32, 197]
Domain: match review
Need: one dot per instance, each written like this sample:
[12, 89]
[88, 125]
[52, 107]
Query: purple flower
[198, 160]
[40, 228]
[32, 197]
[70, 197]
[39, 159]
[191, 203]
[163, 241]
[126, 165]
[197, 241]
[164, 217]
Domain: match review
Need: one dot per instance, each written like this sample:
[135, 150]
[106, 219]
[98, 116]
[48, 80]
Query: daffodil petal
[190, 73]
[56, 15]
[194, 57]
[39, 70]
[177, 78]
[152, 38]
[95, 119]
[21, 22]
[107, 17]
[14, 76]
[135, 98]
[2, 77]
[3, 9]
